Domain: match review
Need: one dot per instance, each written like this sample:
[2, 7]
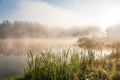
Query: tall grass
[71, 65]
[52, 66]
[65, 65]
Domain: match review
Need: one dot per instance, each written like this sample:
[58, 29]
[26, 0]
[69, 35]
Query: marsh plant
[71, 64]
[65, 65]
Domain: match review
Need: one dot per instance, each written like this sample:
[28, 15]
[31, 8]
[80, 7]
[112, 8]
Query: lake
[13, 52]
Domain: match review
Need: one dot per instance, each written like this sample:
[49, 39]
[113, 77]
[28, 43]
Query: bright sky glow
[62, 12]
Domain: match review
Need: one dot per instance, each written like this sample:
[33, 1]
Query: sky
[64, 13]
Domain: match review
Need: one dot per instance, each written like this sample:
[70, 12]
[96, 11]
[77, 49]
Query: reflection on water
[22, 46]
[11, 65]
[13, 51]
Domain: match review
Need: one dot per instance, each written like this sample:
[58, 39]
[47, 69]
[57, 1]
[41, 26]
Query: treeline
[20, 29]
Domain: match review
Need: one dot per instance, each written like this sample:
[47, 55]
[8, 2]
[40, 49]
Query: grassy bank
[74, 65]
[68, 65]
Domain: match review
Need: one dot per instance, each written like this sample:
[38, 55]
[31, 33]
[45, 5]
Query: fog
[40, 25]
[20, 29]
[18, 38]
[22, 46]
[13, 52]
[113, 31]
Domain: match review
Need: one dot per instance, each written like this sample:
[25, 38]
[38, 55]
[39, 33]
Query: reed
[71, 64]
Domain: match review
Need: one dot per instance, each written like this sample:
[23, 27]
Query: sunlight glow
[103, 16]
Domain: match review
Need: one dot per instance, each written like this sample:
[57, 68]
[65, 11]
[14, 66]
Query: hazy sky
[62, 12]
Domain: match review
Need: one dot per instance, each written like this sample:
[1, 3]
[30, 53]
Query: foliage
[72, 65]
[22, 29]
[116, 76]
[65, 65]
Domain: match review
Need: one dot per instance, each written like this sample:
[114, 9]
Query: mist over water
[18, 38]
[13, 52]
[40, 25]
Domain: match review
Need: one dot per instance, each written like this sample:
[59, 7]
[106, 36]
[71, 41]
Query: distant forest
[20, 29]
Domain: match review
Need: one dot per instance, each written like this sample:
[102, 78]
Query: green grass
[72, 65]
[65, 65]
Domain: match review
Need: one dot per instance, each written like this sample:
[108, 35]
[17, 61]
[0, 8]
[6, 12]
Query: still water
[13, 52]
[11, 65]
